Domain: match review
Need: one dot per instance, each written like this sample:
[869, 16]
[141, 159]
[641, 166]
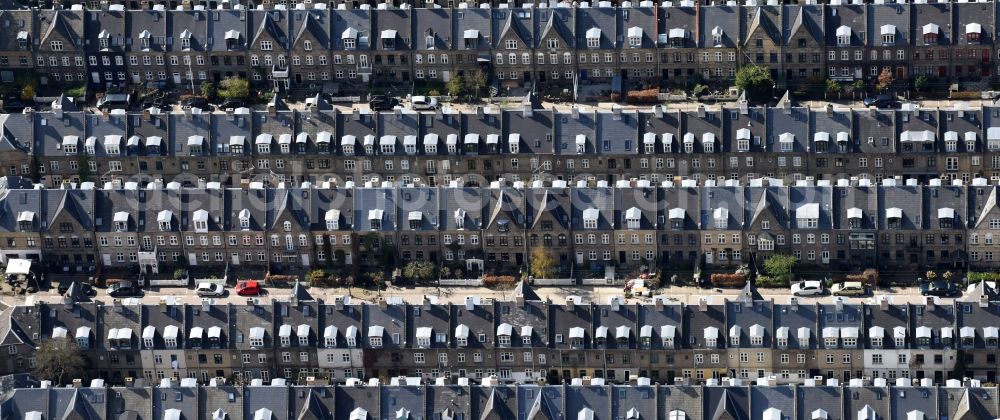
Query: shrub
[728, 280]
[499, 282]
[771, 282]
[179, 274]
[644, 96]
[978, 276]
[869, 277]
[616, 96]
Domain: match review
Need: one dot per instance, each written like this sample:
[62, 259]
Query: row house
[846, 226]
[284, 47]
[525, 340]
[319, 144]
[593, 398]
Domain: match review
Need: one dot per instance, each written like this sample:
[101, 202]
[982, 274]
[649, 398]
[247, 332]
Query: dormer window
[25, 221]
[244, 219]
[581, 144]
[389, 39]
[888, 33]
[594, 38]
[330, 336]
[590, 218]
[285, 335]
[894, 217]
[721, 218]
[462, 335]
[287, 226]
[170, 336]
[22, 40]
[717, 36]
[232, 39]
[415, 218]
[121, 221]
[164, 218]
[973, 33]
[186, 43]
[632, 218]
[843, 36]
[460, 218]
[503, 226]
[332, 219]
[83, 337]
[256, 337]
[148, 334]
[635, 37]
[200, 221]
[104, 43]
[375, 219]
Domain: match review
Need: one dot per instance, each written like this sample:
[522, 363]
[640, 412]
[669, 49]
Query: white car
[807, 288]
[423, 102]
[210, 290]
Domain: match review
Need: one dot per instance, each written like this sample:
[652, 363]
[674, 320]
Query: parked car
[807, 288]
[940, 288]
[210, 290]
[423, 102]
[13, 105]
[848, 288]
[124, 289]
[879, 101]
[195, 102]
[248, 288]
[114, 101]
[382, 103]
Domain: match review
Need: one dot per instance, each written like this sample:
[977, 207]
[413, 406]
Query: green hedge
[975, 276]
[768, 282]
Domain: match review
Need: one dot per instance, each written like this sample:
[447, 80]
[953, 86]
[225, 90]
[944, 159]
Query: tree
[28, 92]
[756, 82]
[920, 83]
[779, 266]
[208, 89]
[543, 263]
[699, 90]
[931, 275]
[885, 79]
[419, 271]
[58, 360]
[475, 82]
[948, 275]
[832, 86]
[456, 86]
[234, 88]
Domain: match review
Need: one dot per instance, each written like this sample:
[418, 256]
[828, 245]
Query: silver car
[210, 290]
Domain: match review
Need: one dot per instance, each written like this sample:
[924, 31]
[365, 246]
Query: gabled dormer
[310, 36]
[269, 35]
[62, 32]
[164, 219]
[555, 35]
[512, 35]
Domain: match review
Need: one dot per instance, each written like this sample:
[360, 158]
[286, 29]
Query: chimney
[701, 111]
[206, 304]
[658, 111]
[840, 304]
[77, 383]
[984, 300]
[829, 109]
[527, 110]
[616, 113]
[129, 382]
[439, 114]
[356, 114]
[570, 303]
[427, 303]
[382, 304]
[929, 302]
[576, 113]
[479, 112]
[883, 303]
[703, 304]
[658, 303]
[470, 303]
[615, 304]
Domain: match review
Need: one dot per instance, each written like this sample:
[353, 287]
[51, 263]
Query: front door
[177, 78]
[95, 77]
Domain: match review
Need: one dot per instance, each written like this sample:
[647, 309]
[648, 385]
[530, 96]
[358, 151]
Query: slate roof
[534, 314]
[343, 318]
[794, 121]
[393, 321]
[196, 23]
[968, 13]
[905, 198]
[821, 398]
[852, 16]
[601, 199]
[800, 196]
[610, 130]
[535, 130]
[435, 23]
[729, 198]
[471, 19]
[228, 19]
[726, 403]
[795, 317]
[244, 318]
[696, 321]
[368, 199]
[723, 17]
